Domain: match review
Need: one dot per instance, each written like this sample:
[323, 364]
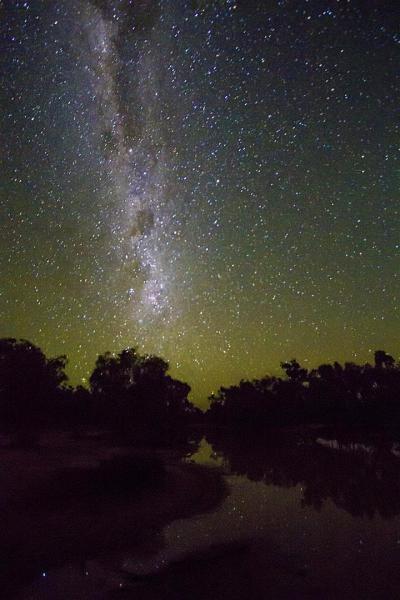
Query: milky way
[134, 160]
[212, 181]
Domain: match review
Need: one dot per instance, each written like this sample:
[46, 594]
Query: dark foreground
[71, 504]
[294, 515]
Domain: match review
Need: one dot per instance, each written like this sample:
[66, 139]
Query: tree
[137, 389]
[294, 371]
[29, 382]
[383, 360]
[113, 375]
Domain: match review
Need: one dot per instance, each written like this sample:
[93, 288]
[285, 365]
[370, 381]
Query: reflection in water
[361, 478]
[306, 517]
[204, 454]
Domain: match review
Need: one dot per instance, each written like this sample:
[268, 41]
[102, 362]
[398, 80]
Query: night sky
[215, 182]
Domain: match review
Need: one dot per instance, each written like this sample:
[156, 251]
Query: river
[314, 518]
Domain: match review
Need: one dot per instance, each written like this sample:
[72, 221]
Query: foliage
[28, 380]
[137, 388]
[125, 390]
[331, 393]
[128, 390]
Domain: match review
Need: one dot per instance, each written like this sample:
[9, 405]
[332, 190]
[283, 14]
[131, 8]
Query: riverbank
[45, 531]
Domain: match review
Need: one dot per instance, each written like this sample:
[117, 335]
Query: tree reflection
[363, 479]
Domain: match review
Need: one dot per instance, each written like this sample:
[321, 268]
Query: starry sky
[213, 181]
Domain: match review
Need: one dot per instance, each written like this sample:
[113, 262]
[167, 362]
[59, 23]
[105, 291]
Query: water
[304, 518]
[325, 513]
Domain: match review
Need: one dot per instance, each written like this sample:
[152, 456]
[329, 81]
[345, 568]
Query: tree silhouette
[331, 393]
[136, 389]
[294, 371]
[29, 382]
[383, 360]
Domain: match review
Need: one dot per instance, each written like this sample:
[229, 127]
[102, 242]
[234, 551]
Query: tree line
[330, 394]
[129, 389]
[125, 389]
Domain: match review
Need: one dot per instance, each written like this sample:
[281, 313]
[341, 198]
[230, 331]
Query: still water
[324, 514]
[314, 518]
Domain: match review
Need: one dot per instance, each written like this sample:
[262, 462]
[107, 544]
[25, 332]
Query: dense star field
[215, 182]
